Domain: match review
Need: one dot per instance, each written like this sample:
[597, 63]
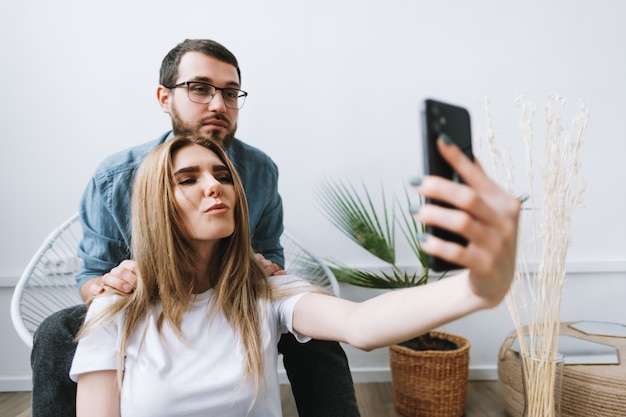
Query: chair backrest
[47, 285]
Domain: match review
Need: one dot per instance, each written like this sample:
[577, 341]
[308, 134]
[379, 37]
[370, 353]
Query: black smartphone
[437, 118]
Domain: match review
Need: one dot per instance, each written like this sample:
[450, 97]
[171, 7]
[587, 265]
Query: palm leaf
[355, 215]
[381, 280]
[410, 229]
[358, 220]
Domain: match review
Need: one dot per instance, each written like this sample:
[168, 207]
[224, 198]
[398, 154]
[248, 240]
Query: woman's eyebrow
[219, 168]
[195, 168]
[185, 170]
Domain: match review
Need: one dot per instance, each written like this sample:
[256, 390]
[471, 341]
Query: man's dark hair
[169, 67]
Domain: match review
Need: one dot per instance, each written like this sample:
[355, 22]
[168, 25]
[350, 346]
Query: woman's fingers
[483, 213]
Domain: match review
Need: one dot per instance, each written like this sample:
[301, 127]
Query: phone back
[437, 118]
[454, 121]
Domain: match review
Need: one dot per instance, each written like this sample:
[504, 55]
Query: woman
[198, 335]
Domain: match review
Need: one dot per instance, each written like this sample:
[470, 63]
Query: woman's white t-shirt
[204, 375]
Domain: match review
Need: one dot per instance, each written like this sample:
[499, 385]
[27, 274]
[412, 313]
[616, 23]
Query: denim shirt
[105, 206]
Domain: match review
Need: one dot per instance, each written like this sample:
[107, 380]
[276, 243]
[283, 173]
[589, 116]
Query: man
[200, 89]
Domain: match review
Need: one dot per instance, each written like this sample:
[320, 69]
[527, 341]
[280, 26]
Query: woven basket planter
[588, 390]
[430, 383]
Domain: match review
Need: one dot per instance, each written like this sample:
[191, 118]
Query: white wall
[334, 92]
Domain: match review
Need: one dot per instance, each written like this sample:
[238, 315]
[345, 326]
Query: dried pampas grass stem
[535, 296]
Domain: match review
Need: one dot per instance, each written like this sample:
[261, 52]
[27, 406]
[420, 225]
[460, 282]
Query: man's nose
[217, 102]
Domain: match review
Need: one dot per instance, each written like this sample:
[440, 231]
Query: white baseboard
[359, 375]
[383, 374]
[15, 383]
[483, 373]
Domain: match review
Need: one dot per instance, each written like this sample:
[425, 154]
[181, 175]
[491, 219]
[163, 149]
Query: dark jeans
[318, 371]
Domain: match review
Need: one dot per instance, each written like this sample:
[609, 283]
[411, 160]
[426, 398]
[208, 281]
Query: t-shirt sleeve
[97, 351]
[285, 306]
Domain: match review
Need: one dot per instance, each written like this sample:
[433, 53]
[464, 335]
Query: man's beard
[181, 128]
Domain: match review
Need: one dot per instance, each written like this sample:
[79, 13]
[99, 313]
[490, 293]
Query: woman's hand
[485, 214]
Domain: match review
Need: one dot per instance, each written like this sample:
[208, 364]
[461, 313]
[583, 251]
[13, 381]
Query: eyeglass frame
[242, 93]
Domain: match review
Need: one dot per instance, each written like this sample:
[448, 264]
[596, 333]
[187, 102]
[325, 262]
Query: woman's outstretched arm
[485, 214]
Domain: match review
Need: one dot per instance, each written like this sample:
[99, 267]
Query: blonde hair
[167, 262]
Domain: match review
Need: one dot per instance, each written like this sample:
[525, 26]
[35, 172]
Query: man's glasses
[202, 93]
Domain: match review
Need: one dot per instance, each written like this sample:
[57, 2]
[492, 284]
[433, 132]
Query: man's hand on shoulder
[269, 267]
[123, 278]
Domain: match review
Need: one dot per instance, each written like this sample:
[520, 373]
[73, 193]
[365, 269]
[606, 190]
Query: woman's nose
[213, 187]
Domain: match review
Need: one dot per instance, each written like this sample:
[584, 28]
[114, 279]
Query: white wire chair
[47, 285]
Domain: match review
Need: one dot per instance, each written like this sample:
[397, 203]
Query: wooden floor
[15, 404]
[375, 400]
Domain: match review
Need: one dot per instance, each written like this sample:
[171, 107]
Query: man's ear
[164, 96]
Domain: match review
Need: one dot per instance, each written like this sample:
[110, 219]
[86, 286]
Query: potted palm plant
[429, 372]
